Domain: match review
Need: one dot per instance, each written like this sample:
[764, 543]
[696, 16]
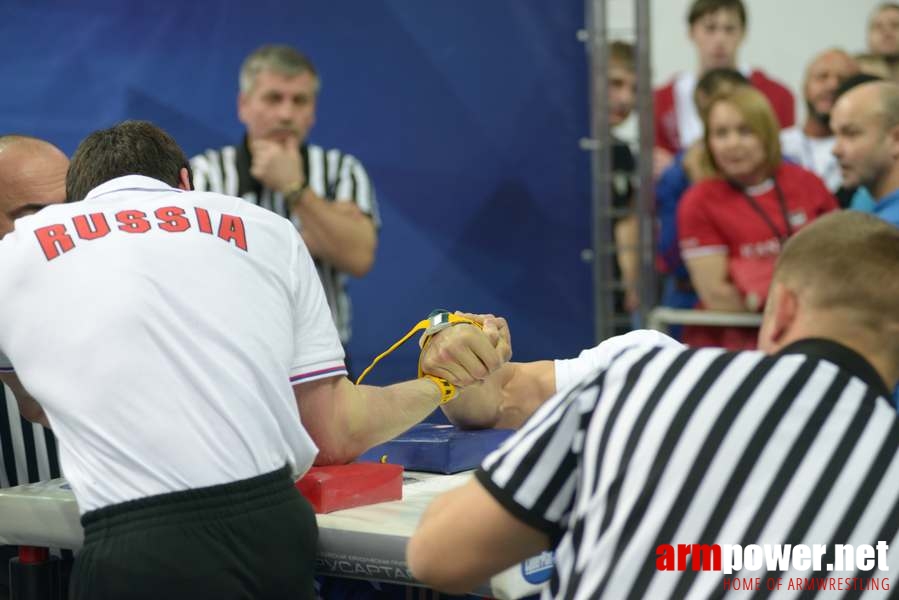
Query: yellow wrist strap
[447, 390]
[434, 323]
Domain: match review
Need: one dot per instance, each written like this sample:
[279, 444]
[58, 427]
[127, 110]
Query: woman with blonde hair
[686, 170]
[731, 226]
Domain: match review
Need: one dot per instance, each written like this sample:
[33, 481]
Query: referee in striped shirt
[32, 175]
[667, 448]
[326, 193]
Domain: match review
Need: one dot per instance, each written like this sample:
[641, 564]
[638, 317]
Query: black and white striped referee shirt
[28, 452]
[332, 174]
[704, 446]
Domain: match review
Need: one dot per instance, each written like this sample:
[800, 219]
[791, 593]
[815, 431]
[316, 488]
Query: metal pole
[645, 193]
[601, 167]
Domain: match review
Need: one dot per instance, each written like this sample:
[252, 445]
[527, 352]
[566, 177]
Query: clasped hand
[277, 165]
[464, 354]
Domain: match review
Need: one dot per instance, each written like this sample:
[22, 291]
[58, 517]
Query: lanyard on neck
[782, 203]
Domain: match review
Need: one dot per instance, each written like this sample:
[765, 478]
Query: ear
[783, 313]
[894, 142]
[241, 104]
[184, 180]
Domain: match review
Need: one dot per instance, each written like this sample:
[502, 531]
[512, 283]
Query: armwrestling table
[367, 542]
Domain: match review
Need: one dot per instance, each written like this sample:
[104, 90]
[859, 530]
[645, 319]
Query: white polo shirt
[570, 371]
[161, 331]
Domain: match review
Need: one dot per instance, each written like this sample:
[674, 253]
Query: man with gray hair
[865, 121]
[325, 192]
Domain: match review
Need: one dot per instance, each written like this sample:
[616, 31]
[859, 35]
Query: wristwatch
[294, 193]
[438, 320]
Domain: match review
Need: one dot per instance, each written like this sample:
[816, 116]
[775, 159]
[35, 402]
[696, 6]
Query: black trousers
[251, 539]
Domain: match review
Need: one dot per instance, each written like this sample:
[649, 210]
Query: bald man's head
[865, 122]
[32, 175]
[822, 78]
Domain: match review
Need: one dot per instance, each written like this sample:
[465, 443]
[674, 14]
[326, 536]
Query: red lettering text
[231, 228]
[171, 219]
[54, 240]
[133, 221]
[203, 221]
[95, 228]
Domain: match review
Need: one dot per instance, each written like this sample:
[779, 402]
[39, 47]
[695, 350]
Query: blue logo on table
[538, 569]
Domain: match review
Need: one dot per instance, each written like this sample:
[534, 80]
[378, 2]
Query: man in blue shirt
[865, 121]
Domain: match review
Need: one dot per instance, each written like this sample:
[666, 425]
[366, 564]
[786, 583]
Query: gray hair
[280, 59]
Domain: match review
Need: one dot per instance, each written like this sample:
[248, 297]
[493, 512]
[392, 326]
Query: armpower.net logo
[844, 563]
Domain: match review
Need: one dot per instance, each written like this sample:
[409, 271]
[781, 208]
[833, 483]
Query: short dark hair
[710, 81]
[129, 148]
[854, 81]
[713, 82]
[701, 8]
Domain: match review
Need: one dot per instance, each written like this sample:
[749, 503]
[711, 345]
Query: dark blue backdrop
[467, 115]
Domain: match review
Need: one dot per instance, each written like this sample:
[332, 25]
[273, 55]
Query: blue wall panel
[466, 114]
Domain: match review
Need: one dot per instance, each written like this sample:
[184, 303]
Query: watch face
[437, 322]
[440, 318]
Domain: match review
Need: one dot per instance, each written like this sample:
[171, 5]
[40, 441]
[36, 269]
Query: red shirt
[665, 111]
[715, 217]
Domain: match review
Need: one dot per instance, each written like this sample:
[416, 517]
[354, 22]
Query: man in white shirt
[180, 346]
[811, 145]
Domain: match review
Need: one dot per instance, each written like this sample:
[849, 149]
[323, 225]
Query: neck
[814, 128]
[887, 185]
[752, 179]
[851, 337]
[881, 363]
[703, 68]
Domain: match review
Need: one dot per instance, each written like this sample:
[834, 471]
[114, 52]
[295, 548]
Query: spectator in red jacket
[732, 226]
[717, 28]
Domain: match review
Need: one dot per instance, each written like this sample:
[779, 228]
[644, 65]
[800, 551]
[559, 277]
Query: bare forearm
[722, 296]
[389, 411]
[626, 234]
[493, 541]
[35, 413]
[710, 278]
[339, 235]
[345, 420]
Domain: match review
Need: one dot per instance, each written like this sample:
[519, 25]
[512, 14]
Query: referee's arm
[465, 536]
[338, 232]
[29, 408]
